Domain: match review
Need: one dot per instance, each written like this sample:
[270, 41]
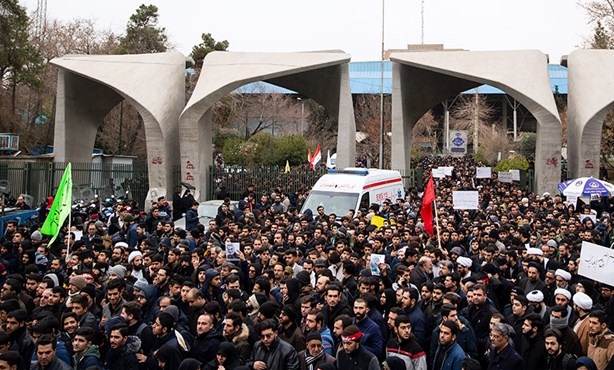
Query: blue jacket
[132, 237]
[191, 219]
[418, 323]
[453, 359]
[465, 338]
[372, 338]
[327, 341]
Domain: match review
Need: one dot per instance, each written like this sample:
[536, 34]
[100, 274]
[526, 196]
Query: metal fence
[232, 181]
[41, 179]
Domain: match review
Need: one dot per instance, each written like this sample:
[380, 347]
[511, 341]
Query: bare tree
[426, 131]
[471, 112]
[260, 110]
[367, 110]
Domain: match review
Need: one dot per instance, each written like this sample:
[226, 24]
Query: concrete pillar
[590, 99]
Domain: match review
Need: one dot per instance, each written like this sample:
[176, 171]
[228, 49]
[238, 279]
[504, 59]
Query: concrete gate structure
[591, 98]
[421, 80]
[89, 86]
[321, 76]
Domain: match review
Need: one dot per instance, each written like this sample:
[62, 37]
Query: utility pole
[422, 23]
[381, 103]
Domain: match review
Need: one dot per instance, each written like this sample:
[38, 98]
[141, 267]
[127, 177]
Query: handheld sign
[596, 262]
[468, 199]
[483, 173]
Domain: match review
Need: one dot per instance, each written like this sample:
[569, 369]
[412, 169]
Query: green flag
[61, 207]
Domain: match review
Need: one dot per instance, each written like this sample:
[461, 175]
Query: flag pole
[68, 256]
[437, 223]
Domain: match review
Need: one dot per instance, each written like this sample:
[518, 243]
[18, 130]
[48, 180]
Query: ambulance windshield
[337, 203]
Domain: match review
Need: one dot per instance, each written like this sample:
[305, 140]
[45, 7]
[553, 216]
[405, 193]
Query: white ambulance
[353, 188]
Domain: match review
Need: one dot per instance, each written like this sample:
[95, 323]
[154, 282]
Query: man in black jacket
[270, 352]
[122, 355]
[207, 340]
[355, 356]
[479, 316]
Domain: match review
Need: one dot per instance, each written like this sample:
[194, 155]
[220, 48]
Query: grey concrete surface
[423, 80]
[590, 99]
[89, 86]
[321, 76]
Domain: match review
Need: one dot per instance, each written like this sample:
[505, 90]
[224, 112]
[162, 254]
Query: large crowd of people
[266, 287]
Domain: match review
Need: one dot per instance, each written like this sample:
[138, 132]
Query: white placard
[483, 172]
[515, 175]
[596, 262]
[439, 173]
[467, 199]
[78, 234]
[591, 216]
[448, 170]
[504, 176]
[572, 201]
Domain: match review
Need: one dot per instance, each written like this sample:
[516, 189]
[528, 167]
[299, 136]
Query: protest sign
[465, 199]
[504, 176]
[483, 172]
[439, 173]
[596, 262]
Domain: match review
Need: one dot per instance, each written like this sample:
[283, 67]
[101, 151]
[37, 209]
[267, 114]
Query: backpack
[140, 329]
[569, 361]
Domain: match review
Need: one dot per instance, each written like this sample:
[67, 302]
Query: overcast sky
[556, 27]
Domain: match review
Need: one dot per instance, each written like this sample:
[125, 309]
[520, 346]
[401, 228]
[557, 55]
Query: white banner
[458, 142]
[439, 173]
[467, 199]
[597, 262]
[483, 172]
[447, 170]
[504, 176]
[591, 216]
[515, 175]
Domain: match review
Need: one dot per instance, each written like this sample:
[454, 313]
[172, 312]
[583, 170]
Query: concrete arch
[89, 86]
[322, 76]
[422, 80]
[590, 99]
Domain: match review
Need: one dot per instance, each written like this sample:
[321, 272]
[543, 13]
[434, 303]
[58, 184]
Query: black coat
[205, 346]
[124, 358]
[281, 356]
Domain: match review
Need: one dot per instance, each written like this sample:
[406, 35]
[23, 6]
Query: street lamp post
[381, 107]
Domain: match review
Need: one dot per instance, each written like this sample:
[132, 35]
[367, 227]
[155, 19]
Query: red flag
[317, 156]
[426, 212]
[309, 158]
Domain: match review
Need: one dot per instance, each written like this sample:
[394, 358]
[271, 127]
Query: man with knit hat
[354, 356]
[117, 272]
[75, 284]
[289, 330]
[582, 305]
[314, 356]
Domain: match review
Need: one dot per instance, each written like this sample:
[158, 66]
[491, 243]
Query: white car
[207, 211]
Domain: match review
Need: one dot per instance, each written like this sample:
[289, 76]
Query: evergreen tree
[143, 35]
